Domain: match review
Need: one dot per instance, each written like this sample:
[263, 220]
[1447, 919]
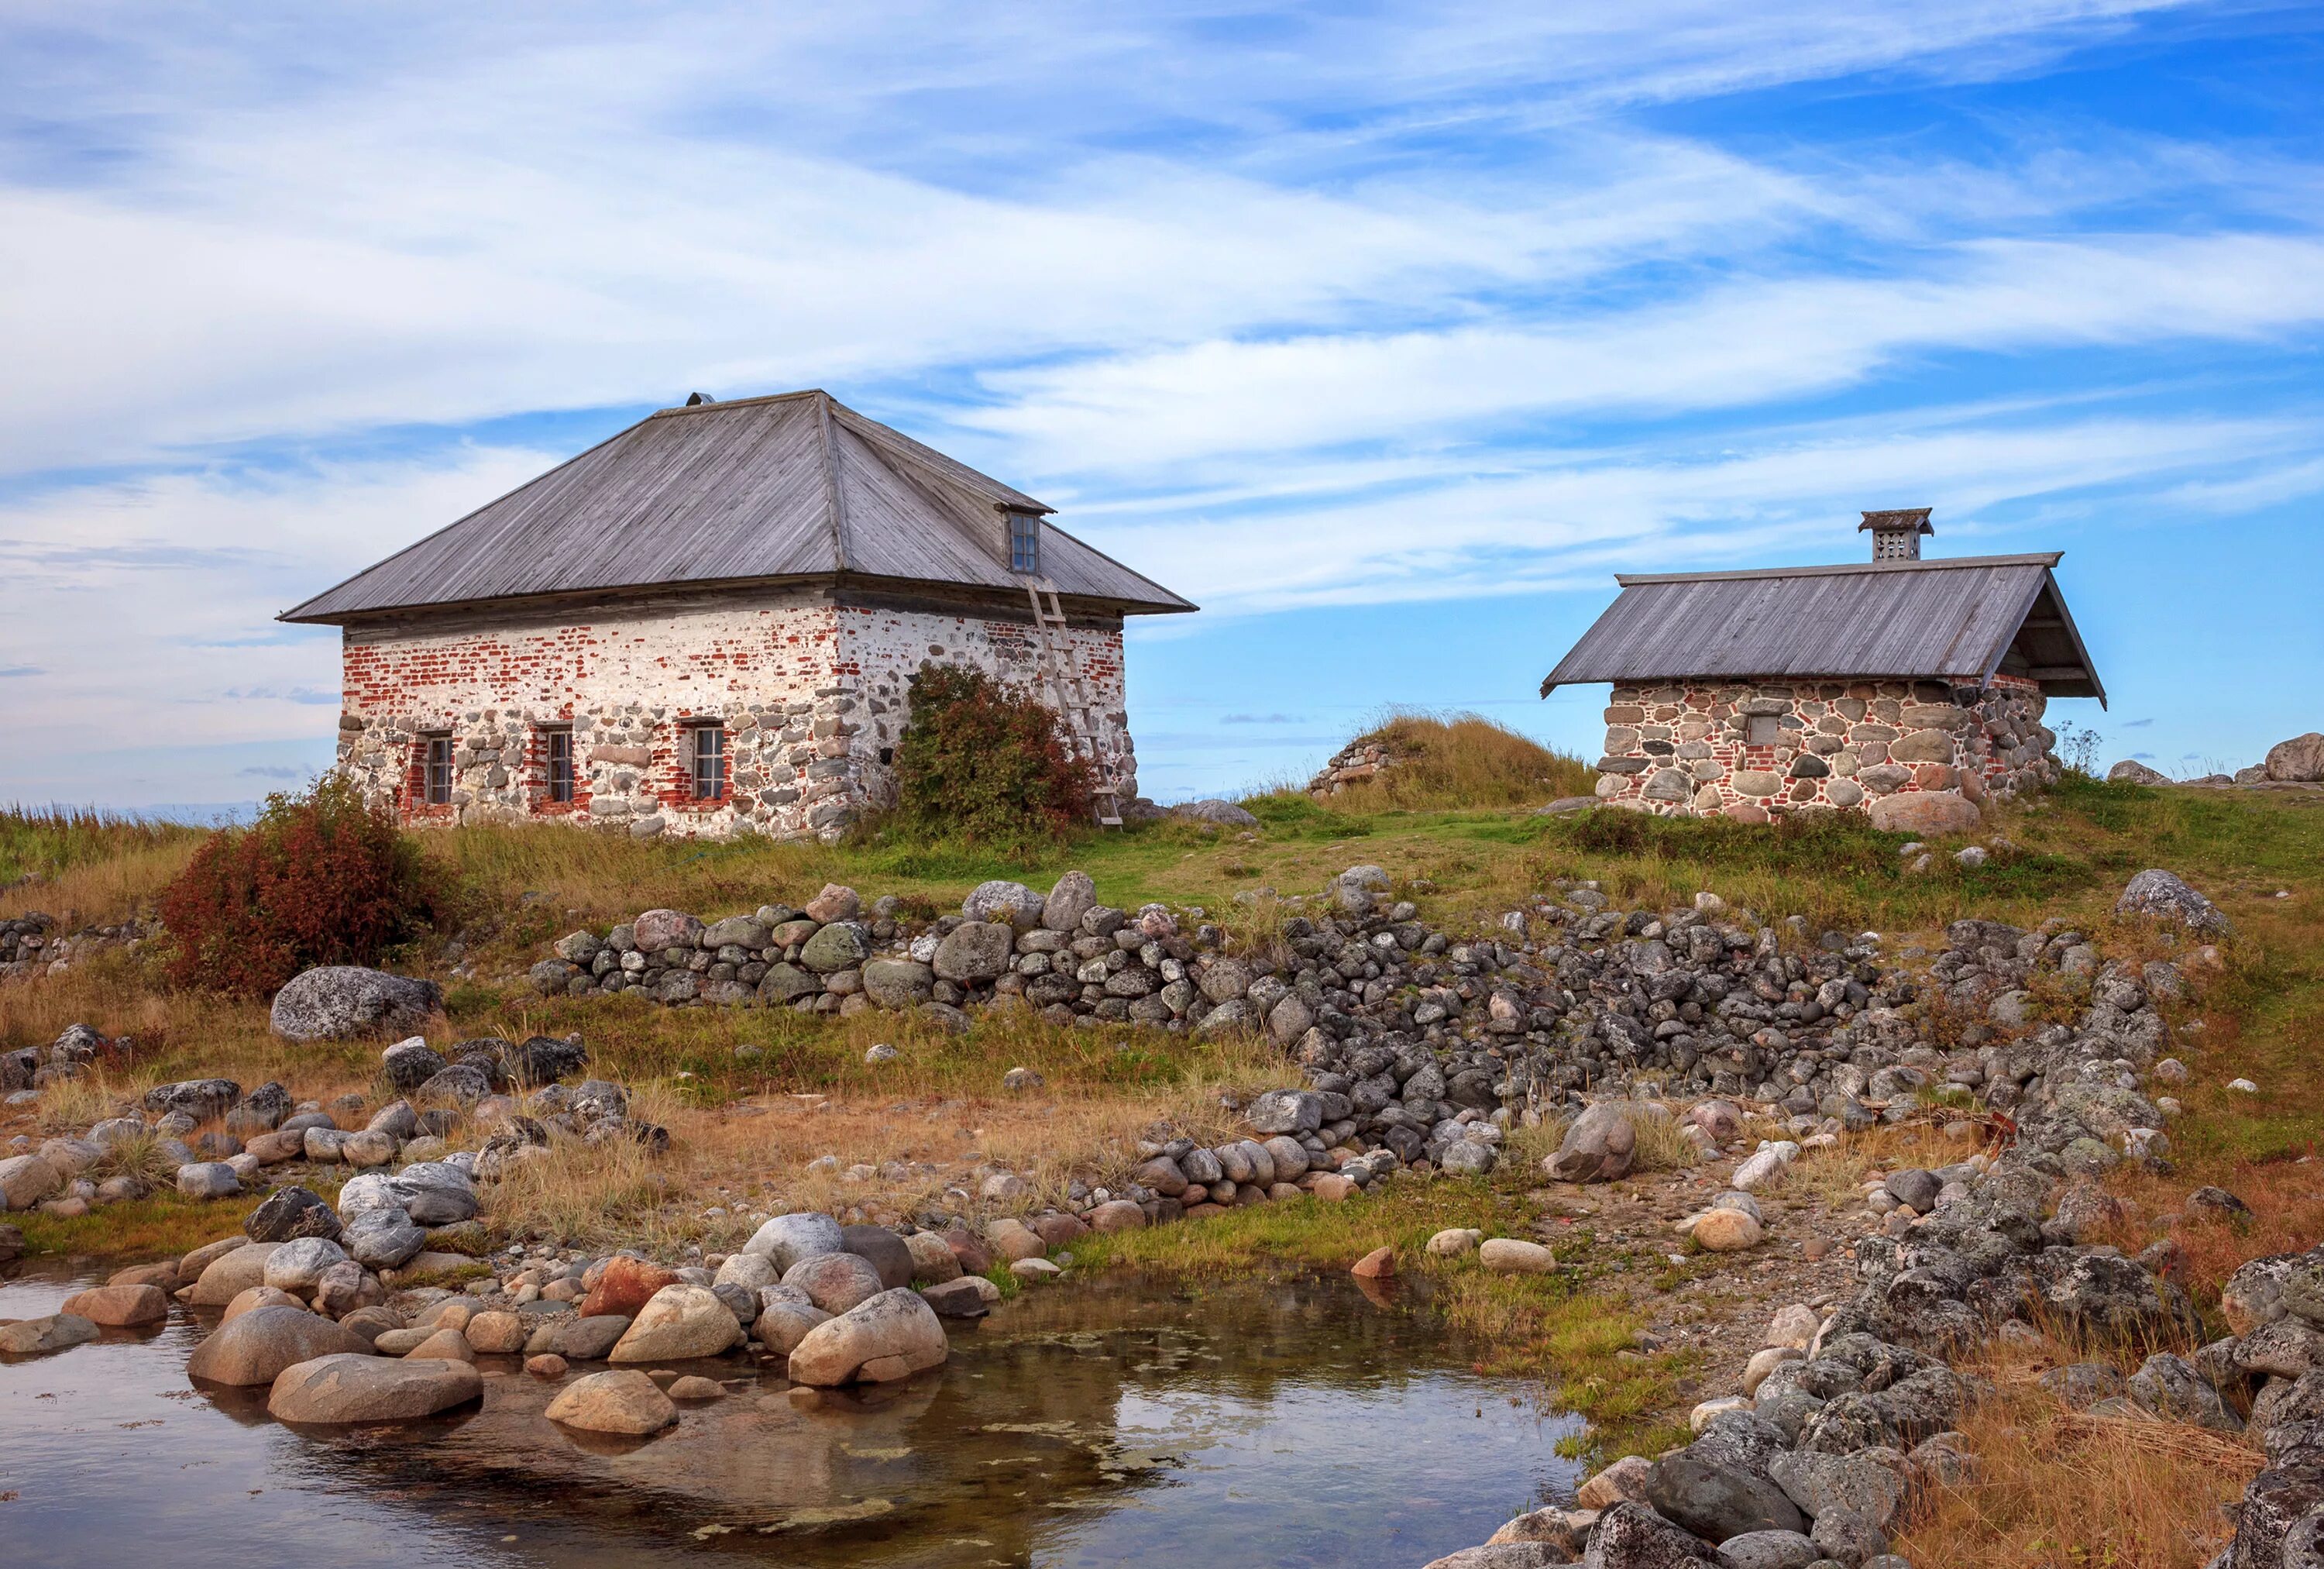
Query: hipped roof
[796, 485]
[1959, 620]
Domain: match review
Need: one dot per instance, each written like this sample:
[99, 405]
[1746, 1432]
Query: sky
[1386, 332]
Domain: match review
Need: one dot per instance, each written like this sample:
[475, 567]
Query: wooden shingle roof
[796, 485]
[1959, 620]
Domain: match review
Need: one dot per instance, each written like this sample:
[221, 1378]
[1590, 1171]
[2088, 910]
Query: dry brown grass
[2286, 1200]
[1456, 761]
[2056, 1488]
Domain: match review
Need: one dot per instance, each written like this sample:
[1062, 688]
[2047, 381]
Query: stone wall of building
[811, 693]
[1751, 750]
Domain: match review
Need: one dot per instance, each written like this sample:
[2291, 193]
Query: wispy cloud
[1263, 719]
[262, 772]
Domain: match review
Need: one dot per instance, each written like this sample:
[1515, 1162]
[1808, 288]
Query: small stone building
[706, 624]
[1908, 689]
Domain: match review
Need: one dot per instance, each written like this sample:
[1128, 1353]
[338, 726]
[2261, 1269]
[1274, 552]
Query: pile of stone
[31, 944]
[1364, 757]
[1063, 952]
[1843, 1420]
[2299, 761]
[24, 1072]
[210, 1139]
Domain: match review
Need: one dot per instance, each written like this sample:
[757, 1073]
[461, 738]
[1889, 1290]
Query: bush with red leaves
[981, 762]
[319, 879]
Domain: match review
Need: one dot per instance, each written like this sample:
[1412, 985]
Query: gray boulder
[788, 1239]
[1717, 1498]
[2299, 761]
[340, 1001]
[409, 1064]
[1873, 1483]
[2131, 772]
[1285, 1112]
[1597, 1148]
[974, 952]
[382, 1239]
[1221, 813]
[1768, 1550]
[200, 1099]
[844, 945]
[2157, 895]
[898, 982]
[1073, 896]
[288, 1212]
[1631, 1535]
[1005, 903]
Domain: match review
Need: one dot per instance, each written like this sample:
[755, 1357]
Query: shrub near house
[319, 879]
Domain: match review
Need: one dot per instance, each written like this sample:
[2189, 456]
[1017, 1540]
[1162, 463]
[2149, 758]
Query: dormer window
[1025, 542]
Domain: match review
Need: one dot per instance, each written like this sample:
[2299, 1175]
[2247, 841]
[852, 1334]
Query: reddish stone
[626, 1286]
[1059, 1230]
[1379, 1264]
[975, 1258]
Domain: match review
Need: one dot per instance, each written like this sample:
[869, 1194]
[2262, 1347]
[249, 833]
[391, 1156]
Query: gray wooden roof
[1956, 620]
[796, 485]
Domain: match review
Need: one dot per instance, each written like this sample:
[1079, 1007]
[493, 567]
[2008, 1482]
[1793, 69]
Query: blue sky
[1387, 333]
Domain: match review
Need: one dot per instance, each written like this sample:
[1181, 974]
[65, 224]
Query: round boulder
[624, 1401]
[835, 1282]
[118, 1306]
[788, 1239]
[257, 1346]
[339, 1001]
[346, 1389]
[681, 1322]
[892, 1335]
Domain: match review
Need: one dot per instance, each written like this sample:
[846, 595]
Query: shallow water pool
[1123, 1421]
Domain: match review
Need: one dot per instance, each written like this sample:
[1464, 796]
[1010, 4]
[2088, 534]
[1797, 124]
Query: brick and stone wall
[1751, 750]
[810, 690]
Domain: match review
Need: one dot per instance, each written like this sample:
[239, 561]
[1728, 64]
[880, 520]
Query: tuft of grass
[164, 1225]
[2053, 1486]
[1450, 762]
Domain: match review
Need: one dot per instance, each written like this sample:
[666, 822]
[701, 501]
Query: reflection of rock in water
[985, 1460]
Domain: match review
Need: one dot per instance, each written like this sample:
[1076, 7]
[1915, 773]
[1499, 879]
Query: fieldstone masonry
[811, 690]
[1754, 751]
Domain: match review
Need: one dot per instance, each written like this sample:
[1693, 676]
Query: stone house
[1910, 689]
[705, 626]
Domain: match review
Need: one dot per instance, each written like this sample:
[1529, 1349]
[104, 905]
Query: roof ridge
[1842, 568]
[713, 404]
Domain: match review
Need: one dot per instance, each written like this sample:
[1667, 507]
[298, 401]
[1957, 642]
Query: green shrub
[319, 879]
[982, 762]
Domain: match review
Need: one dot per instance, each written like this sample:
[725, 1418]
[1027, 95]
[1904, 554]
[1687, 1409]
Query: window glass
[709, 763]
[561, 765]
[1024, 542]
[440, 770]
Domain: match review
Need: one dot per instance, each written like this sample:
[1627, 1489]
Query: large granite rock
[681, 1322]
[334, 1391]
[622, 1401]
[258, 1345]
[788, 1239]
[2299, 761]
[893, 1335]
[1925, 813]
[1597, 1148]
[339, 1001]
[2158, 895]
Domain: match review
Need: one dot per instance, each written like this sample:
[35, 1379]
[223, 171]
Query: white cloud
[147, 606]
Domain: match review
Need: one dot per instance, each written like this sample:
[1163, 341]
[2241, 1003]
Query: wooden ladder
[1087, 732]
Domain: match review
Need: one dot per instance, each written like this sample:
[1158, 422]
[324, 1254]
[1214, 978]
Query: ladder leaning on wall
[1088, 733]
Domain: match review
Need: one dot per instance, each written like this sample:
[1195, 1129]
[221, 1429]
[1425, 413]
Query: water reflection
[1121, 1422]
